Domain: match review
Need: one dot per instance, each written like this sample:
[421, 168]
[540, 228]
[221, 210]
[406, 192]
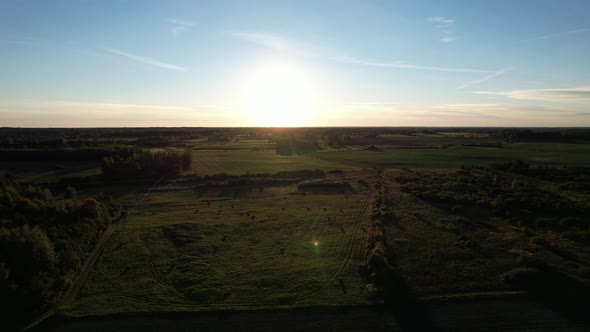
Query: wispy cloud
[444, 25]
[467, 109]
[146, 60]
[441, 21]
[176, 21]
[577, 94]
[483, 79]
[403, 65]
[553, 35]
[179, 26]
[298, 48]
[447, 39]
[282, 44]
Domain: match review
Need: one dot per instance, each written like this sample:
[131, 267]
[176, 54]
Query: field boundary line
[471, 295]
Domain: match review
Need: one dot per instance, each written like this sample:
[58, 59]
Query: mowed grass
[176, 252]
[534, 153]
[243, 161]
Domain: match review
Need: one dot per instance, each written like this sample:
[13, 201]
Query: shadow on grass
[556, 290]
[410, 314]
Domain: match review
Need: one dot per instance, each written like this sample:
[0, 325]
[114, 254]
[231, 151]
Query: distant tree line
[145, 163]
[563, 135]
[43, 241]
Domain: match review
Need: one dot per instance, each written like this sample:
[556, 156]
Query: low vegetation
[43, 241]
[267, 218]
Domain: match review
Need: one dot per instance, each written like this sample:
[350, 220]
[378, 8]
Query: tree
[70, 192]
[91, 208]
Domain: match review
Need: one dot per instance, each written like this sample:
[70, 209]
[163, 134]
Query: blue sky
[321, 63]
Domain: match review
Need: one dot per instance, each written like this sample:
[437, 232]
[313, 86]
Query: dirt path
[72, 293]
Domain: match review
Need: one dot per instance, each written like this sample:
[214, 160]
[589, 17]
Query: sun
[278, 94]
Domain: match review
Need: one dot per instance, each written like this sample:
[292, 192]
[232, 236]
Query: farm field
[200, 227]
[182, 251]
[253, 162]
[546, 154]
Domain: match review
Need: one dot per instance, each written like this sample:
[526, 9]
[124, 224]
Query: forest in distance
[107, 224]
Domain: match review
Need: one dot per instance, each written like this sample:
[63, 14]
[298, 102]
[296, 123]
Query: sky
[294, 63]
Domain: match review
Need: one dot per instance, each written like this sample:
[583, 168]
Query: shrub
[324, 186]
[573, 222]
[532, 262]
[582, 236]
[546, 222]
[90, 208]
[521, 275]
[540, 241]
[70, 193]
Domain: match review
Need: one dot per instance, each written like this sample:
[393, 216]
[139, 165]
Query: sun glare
[278, 94]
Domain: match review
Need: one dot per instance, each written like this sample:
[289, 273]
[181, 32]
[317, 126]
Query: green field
[393, 205]
[535, 153]
[244, 161]
[166, 257]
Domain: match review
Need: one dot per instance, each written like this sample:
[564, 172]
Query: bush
[42, 241]
[573, 222]
[540, 241]
[532, 262]
[546, 223]
[582, 236]
[70, 193]
[324, 186]
[521, 275]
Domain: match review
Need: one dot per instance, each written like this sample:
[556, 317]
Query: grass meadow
[186, 251]
[188, 245]
[548, 154]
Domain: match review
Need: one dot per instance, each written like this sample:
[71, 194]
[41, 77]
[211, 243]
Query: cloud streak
[403, 65]
[577, 94]
[146, 60]
[447, 39]
[443, 23]
[179, 26]
[176, 21]
[502, 114]
[281, 44]
[552, 35]
[483, 79]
